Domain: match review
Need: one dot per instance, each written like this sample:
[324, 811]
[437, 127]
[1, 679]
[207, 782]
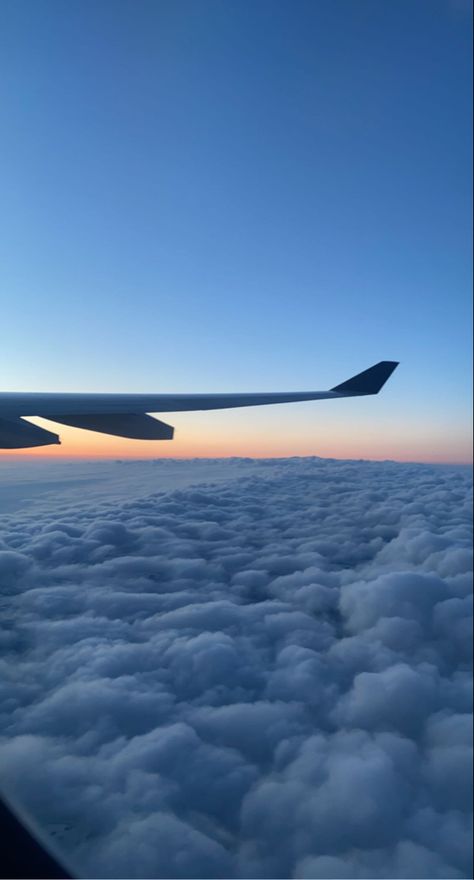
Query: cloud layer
[264, 677]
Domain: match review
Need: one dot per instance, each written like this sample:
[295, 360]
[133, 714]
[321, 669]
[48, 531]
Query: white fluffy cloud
[264, 676]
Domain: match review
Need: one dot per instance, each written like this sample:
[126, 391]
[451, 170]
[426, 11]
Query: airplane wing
[127, 415]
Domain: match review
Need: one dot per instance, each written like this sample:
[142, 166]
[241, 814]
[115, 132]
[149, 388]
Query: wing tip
[370, 381]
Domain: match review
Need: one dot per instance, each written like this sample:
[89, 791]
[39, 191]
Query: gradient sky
[212, 195]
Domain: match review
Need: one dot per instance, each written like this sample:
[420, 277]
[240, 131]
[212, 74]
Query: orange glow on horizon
[194, 441]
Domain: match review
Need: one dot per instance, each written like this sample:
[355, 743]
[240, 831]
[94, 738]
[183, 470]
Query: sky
[232, 196]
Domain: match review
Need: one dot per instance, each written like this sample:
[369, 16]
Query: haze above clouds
[242, 669]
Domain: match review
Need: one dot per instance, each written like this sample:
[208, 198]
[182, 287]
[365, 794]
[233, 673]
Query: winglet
[368, 382]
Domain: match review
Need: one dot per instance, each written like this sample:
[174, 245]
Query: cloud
[261, 676]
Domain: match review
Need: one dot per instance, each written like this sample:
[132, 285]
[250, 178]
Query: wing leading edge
[126, 415]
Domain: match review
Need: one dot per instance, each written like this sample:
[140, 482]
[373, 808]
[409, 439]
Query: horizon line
[20, 454]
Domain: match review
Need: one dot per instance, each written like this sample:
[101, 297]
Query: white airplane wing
[126, 415]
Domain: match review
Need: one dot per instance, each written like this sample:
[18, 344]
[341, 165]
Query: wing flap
[18, 434]
[135, 426]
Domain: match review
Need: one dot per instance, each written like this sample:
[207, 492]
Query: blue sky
[241, 196]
